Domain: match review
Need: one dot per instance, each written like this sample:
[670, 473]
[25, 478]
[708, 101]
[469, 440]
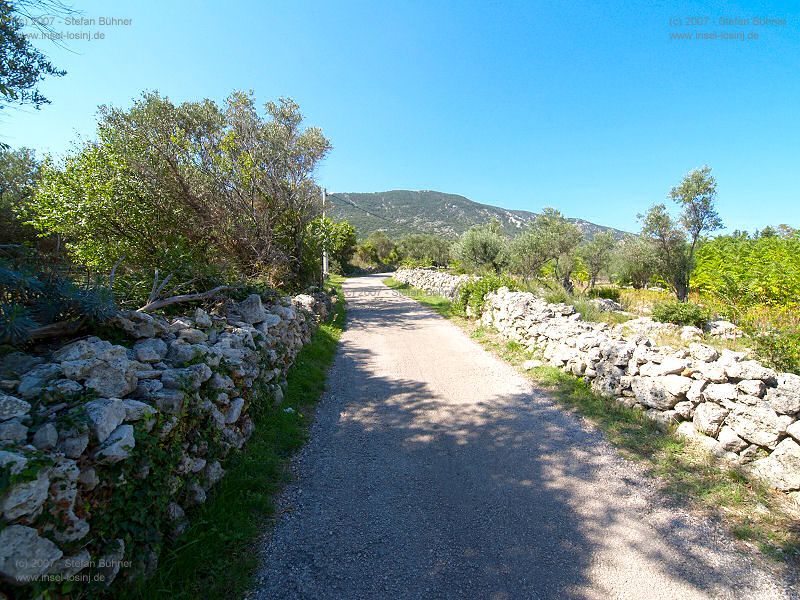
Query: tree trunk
[567, 283]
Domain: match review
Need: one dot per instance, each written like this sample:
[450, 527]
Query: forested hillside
[404, 212]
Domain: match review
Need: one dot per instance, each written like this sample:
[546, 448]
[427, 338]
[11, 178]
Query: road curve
[434, 470]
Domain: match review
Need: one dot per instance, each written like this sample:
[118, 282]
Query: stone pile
[433, 281]
[739, 409]
[79, 425]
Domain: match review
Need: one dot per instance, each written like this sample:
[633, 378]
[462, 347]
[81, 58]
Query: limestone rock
[24, 555]
[202, 319]
[730, 441]
[252, 310]
[136, 410]
[708, 418]
[718, 392]
[186, 378]
[34, 381]
[13, 430]
[782, 467]
[11, 407]
[668, 366]
[750, 369]
[785, 398]
[104, 415]
[150, 350]
[139, 324]
[752, 387]
[703, 353]
[234, 410]
[46, 437]
[26, 498]
[758, 424]
[118, 445]
[794, 430]
[652, 392]
[192, 336]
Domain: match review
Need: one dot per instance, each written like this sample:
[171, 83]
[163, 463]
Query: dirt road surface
[434, 470]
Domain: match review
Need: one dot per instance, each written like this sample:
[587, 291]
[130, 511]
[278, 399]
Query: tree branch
[156, 304]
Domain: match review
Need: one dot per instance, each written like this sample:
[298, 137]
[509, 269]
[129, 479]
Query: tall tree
[676, 240]
[549, 238]
[22, 66]
[482, 248]
[596, 254]
[19, 172]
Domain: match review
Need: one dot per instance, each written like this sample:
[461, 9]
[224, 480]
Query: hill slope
[401, 212]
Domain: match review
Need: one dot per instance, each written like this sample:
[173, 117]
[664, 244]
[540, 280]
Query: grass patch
[751, 511]
[440, 304]
[215, 557]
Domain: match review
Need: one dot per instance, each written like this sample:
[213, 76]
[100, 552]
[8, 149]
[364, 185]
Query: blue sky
[586, 106]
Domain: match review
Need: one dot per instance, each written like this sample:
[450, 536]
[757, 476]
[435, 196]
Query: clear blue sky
[586, 106]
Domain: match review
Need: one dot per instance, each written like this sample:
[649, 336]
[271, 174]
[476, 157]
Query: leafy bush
[471, 293]
[608, 293]
[681, 313]
[742, 271]
[33, 300]
[775, 336]
[482, 249]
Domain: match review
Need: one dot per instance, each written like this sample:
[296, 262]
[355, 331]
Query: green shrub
[471, 293]
[609, 293]
[557, 294]
[779, 350]
[681, 313]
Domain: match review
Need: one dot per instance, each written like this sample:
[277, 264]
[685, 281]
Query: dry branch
[156, 304]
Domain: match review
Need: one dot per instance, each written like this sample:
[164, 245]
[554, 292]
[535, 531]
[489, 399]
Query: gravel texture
[434, 470]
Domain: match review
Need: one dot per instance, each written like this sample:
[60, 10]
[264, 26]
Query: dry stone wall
[739, 409]
[105, 445]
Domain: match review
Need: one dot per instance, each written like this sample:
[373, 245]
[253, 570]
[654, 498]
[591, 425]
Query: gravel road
[434, 470]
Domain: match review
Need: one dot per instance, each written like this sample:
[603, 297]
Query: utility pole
[325, 244]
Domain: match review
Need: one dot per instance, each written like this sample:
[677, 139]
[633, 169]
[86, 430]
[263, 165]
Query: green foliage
[195, 189]
[596, 254]
[377, 251]
[744, 272]
[482, 249]
[30, 299]
[471, 293]
[681, 313]
[338, 238]
[550, 237]
[22, 66]
[609, 293]
[675, 242]
[424, 250]
[633, 261]
[19, 173]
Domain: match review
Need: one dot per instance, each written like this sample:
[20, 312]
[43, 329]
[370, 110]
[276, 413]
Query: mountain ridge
[403, 212]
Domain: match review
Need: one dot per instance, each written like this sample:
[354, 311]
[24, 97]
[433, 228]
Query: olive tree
[596, 254]
[676, 240]
[482, 248]
[550, 238]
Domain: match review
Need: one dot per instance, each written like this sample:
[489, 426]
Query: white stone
[782, 467]
[758, 424]
[708, 418]
[104, 415]
[118, 445]
[24, 555]
[11, 407]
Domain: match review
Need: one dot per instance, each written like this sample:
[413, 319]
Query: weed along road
[434, 470]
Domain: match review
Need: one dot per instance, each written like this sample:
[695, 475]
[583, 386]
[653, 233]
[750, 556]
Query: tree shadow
[407, 490]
